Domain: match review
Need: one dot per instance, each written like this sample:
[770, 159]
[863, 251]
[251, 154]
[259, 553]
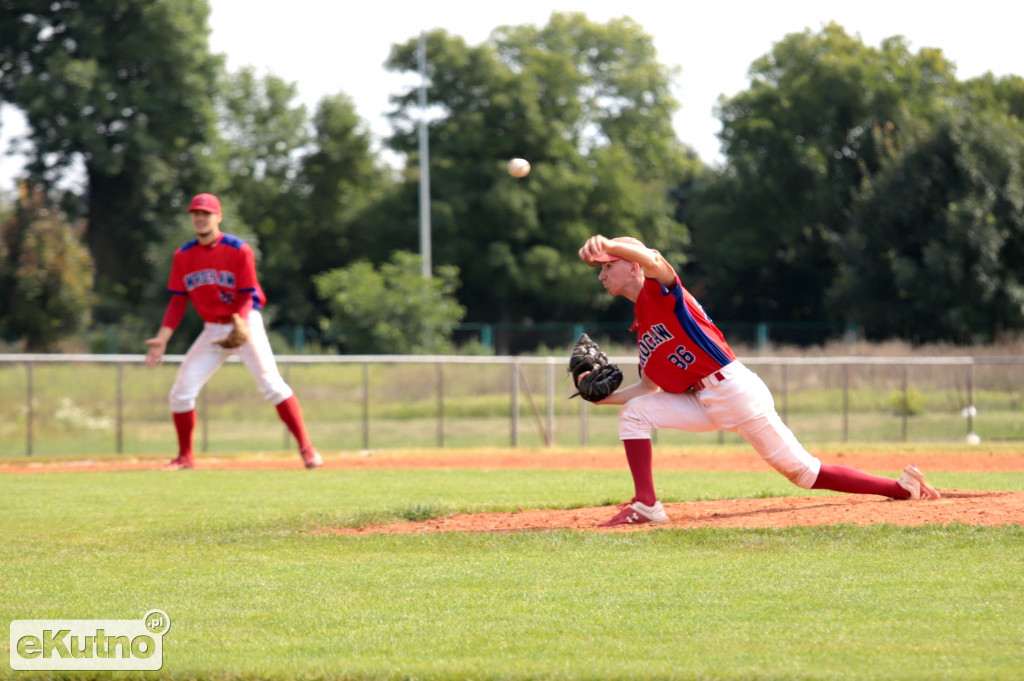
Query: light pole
[424, 162]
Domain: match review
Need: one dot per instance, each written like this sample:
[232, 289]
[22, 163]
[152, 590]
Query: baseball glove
[238, 336]
[602, 377]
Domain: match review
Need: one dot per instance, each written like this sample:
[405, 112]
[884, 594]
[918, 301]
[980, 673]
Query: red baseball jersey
[213, 276]
[677, 341]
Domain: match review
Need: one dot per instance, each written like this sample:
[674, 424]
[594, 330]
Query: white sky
[331, 46]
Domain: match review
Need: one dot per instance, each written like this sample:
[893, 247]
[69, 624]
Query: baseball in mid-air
[519, 167]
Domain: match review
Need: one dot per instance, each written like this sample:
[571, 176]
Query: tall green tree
[263, 135]
[589, 105]
[798, 144]
[344, 188]
[121, 94]
[935, 250]
[301, 184]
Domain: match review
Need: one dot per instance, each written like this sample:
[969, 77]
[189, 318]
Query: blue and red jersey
[677, 341]
[218, 279]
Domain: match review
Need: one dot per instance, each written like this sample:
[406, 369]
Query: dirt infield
[956, 506]
[973, 507]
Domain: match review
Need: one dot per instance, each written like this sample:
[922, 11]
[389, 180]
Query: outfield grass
[254, 592]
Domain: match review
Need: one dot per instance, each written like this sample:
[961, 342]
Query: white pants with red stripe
[204, 358]
[741, 404]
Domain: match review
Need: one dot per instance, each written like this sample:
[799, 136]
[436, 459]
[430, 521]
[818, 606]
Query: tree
[799, 143]
[45, 272]
[301, 184]
[590, 107]
[124, 91]
[392, 309]
[1005, 95]
[343, 187]
[264, 135]
[935, 250]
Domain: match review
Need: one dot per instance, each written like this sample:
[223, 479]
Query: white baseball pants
[740, 404]
[204, 358]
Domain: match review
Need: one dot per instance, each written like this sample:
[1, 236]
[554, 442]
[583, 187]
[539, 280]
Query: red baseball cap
[612, 258]
[205, 202]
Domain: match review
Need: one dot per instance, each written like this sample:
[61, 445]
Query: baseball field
[487, 564]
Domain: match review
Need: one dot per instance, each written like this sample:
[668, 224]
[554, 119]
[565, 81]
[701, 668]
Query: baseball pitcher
[690, 380]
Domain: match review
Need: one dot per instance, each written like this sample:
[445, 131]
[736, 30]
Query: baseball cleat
[637, 513]
[311, 457]
[179, 464]
[913, 481]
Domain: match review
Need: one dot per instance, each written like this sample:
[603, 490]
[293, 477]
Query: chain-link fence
[92, 405]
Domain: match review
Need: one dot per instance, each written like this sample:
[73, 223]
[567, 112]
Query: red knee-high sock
[853, 481]
[291, 413]
[185, 425]
[639, 456]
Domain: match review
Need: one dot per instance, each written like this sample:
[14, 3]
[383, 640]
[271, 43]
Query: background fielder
[217, 272]
[691, 380]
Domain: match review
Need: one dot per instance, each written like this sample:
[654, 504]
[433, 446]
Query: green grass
[253, 591]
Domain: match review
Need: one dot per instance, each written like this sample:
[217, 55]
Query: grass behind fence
[76, 408]
[254, 591]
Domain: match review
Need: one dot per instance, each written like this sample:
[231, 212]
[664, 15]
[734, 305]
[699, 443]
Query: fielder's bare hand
[158, 346]
[155, 354]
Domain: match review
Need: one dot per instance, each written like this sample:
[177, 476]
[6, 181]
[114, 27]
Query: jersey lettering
[194, 280]
[649, 341]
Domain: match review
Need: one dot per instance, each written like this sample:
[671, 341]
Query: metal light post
[425, 256]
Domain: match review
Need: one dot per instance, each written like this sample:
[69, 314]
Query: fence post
[846, 401]
[119, 428]
[366, 406]
[549, 376]
[970, 398]
[30, 411]
[906, 400]
[440, 403]
[514, 389]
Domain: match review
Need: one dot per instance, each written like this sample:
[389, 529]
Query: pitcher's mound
[969, 507]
